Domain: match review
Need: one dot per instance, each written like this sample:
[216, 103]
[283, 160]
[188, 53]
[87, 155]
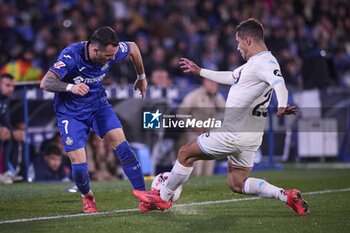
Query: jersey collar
[259, 54]
[86, 51]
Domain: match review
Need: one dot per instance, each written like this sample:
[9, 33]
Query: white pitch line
[179, 205]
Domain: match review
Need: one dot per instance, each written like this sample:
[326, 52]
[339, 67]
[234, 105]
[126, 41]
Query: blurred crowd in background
[310, 38]
[165, 30]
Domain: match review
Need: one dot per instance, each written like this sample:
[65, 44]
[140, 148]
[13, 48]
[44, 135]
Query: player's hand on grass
[189, 66]
[289, 110]
[141, 85]
[80, 89]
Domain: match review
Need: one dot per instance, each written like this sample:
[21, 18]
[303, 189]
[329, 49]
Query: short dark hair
[52, 150]
[7, 75]
[251, 27]
[104, 36]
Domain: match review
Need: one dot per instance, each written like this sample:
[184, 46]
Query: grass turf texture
[330, 212]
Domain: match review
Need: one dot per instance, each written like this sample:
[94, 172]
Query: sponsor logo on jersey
[78, 80]
[277, 73]
[94, 80]
[59, 64]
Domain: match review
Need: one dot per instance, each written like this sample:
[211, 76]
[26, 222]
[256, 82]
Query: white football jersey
[248, 99]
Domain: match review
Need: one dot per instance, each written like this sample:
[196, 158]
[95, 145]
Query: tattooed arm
[52, 83]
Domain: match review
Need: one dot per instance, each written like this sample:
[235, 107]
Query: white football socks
[263, 189]
[179, 175]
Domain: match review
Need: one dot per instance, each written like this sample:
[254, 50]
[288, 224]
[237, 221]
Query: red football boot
[296, 202]
[153, 198]
[145, 207]
[89, 204]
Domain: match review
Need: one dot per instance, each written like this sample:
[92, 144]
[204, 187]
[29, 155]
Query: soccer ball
[160, 180]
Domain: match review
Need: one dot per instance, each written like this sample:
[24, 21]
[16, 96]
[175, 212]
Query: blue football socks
[80, 176]
[131, 165]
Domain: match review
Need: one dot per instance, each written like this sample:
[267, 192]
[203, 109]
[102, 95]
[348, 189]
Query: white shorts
[218, 145]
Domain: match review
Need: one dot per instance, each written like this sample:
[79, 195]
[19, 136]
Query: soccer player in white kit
[242, 130]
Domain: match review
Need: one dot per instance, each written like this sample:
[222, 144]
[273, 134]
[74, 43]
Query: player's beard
[244, 55]
[103, 61]
[100, 60]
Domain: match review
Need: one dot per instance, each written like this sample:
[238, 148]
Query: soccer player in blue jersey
[80, 103]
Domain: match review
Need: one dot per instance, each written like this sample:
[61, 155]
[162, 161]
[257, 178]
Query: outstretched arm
[282, 99]
[223, 77]
[136, 58]
[52, 83]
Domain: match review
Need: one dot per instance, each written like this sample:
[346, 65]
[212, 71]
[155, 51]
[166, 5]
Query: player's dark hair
[52, 150]
[104, 36]
[6, 75]
[251, 27]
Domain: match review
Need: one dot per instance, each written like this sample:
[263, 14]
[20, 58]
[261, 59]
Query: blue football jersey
[74, 66]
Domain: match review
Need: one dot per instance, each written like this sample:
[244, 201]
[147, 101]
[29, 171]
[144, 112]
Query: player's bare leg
[239, 182]
[81, 178]
[115, 137]
[180, 173]
[183, 167]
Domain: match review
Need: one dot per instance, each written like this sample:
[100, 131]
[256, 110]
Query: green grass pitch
[330, 211]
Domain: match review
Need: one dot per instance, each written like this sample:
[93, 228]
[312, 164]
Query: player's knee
[77, 156]
[125, 153]
[115, 137]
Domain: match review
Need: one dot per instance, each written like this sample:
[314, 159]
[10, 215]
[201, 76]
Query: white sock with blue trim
[179, 175]
[263, 189]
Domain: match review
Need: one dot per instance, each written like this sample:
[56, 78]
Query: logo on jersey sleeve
[123, 47]
[59, 64]
[277, 73]
[67, 56]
